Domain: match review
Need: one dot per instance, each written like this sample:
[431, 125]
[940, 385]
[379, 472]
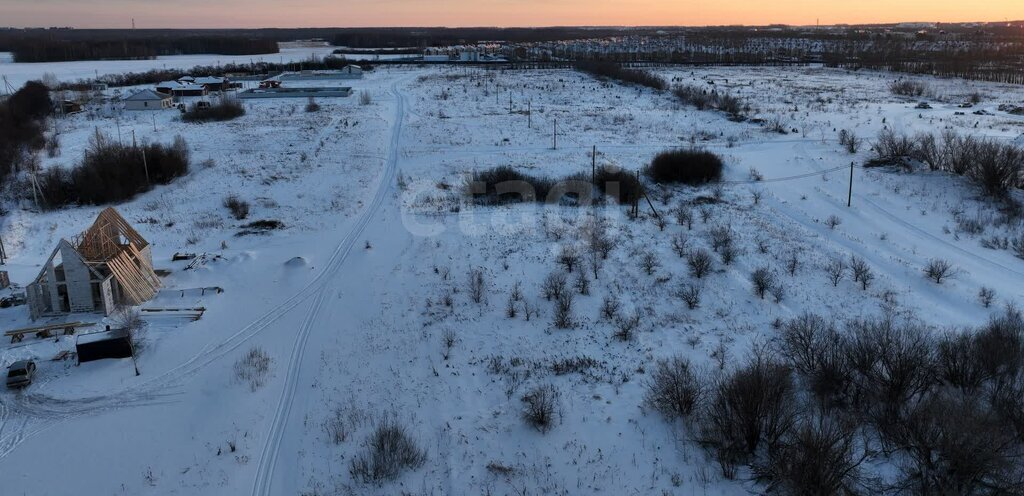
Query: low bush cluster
[390, 450]
[224, 110]
[945, 410]
[112, 172]
[611, 70]
[505, 184]
[703, 99]
[996, 167]
[907, 87]
[692, 167]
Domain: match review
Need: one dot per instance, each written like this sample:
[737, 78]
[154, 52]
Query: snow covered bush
[253, 368]
[312, 106]
[389, 451]
[690, 294]
[817, 352]
[563, 318]
[625, 327]
[693, 167]
[763, 280]
[674, 389]
[541, 407]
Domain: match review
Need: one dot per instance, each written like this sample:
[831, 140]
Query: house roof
[190, 87]
[169, 84]
[209, 80]
[146, 95]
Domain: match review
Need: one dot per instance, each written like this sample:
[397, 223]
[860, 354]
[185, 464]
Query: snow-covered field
[18, 73]
[380, 318]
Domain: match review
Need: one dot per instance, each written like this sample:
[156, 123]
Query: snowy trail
[263, 483]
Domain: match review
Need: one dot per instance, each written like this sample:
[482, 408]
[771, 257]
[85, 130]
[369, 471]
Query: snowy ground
[369, 197]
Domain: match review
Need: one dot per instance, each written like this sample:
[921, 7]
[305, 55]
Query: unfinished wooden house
[106, 266]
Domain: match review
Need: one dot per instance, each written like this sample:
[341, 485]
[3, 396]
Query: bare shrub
[541, 408]
[625, 327]
[554, 285]
[389, 451]
[563, 318]
[892, 363]
[342, 422]
[610, 307]
[763, 280]
[253, 368]
[861, 272]
[793, 263]
[684, 216]
[674, 389]
[130, 319]
[833, 221]
[568, 257]
[365, 98]
[817, 351]
[680, 244]
[951, 442]
[849, 141]
[820, 456]
[751, 408]
[939, 270]
[239, 208]
[582, 283]
[907, 87]
[448, 338]
[649, 262]
[224, 110]
[690, 294]
[986, 296]
[728, 254]
[721, 237]
[835, 269]
[477, 287]
[699, 261]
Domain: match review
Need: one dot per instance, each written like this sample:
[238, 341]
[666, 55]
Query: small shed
[111, 343]
[148, 100]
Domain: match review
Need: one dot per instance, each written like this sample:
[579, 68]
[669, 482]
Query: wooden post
[529, 114]
[3, 254]
[510, 101]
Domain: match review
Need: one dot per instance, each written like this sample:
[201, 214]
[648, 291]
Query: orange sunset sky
[354, 13]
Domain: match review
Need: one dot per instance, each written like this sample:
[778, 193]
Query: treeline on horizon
[54, 47]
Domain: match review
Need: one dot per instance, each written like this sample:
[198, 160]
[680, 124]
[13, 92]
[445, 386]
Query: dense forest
[66, 45]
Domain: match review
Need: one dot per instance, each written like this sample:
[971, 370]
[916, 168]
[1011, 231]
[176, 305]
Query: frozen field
[380, 318]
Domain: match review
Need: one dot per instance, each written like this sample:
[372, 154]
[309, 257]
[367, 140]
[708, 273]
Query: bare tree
[835, 269]
[569, 257]
[541, 407]
[679, 244]
[763, 280]
[699, 261]
[477, 288]
[861, 272]
[939, 270]
[649, 262]
[625, 327]
[563, 311]
[986, 296]
[610, 307]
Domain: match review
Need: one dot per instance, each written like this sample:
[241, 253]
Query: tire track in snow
[263, 482]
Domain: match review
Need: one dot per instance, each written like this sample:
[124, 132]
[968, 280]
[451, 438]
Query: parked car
[12, 300]
[20, 373]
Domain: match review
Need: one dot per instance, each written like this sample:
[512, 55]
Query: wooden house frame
[106, 266]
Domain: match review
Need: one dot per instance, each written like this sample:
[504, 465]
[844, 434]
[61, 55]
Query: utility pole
[849, 196]
[593, 166]
[554, 135]
[529, 114]
[510, 102]
[3, 253]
